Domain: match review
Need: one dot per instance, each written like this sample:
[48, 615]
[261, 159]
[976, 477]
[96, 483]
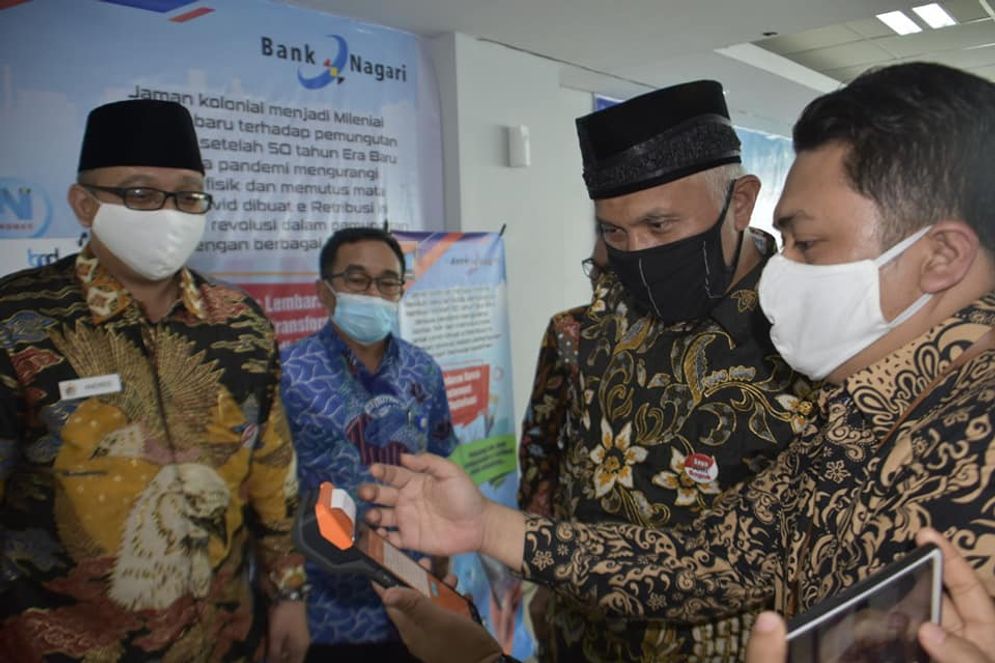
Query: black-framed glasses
[357, 281]
[147, 199]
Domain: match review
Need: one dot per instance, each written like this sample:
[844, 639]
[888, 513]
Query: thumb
[402, 599]
[768, 640]
[944, 647]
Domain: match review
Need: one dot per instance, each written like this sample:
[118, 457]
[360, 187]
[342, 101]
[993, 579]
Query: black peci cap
[656, 138]
[140, 132]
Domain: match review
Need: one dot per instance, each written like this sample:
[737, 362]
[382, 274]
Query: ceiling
[626, 47]
[843, 50]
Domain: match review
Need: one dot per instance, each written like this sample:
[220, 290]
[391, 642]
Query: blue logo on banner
[42, 258]
[25, 210]
[334, 69]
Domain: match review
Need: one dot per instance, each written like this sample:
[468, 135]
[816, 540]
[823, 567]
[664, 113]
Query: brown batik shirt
[640, 422]
[844, 500]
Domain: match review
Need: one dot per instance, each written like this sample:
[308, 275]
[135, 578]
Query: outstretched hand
[433, 504]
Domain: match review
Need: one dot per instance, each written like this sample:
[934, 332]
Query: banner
[307, 123]
[456, 309]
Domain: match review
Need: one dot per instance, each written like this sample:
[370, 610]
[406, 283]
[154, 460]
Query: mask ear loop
[704, 246]
[889, 255]
[900, 247]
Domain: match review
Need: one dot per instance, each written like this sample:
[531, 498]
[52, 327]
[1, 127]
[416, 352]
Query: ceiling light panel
[899, 22]
[934, 15]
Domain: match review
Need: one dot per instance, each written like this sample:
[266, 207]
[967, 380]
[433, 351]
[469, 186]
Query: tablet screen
[879, 622]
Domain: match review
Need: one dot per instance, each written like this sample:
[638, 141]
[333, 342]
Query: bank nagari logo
[25, 210]
[331, 68]
[334, 69]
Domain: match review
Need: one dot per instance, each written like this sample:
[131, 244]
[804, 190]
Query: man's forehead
[137, 175]
[808, 170]
[370, 255]
[671, 198]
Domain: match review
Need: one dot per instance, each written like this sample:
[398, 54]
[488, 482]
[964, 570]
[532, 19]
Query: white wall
[484, 88]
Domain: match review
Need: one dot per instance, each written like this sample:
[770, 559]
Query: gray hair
[717, 180]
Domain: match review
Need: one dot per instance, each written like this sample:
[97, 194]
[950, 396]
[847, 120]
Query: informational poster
[307, 123]
[456, 309]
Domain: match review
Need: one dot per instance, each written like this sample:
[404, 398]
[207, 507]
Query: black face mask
[682, 280]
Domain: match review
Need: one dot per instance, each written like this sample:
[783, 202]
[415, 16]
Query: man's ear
[83, 204]
[744, 198]
[325, 295]
[953, 248]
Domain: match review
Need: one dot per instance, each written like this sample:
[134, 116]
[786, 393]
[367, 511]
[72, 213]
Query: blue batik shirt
[343, 418]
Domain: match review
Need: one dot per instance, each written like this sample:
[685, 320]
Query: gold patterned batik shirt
[138, 462]
[844, 500]
[645, 423]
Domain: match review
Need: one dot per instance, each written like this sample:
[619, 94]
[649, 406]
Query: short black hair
[350, 236]
[920, 141]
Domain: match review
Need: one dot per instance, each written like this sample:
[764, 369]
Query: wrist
[503, 535]
[292, 595]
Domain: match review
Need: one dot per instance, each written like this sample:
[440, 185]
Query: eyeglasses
[591, 268]
[148, 199]
[356, 281]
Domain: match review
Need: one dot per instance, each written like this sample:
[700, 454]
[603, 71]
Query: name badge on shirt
[86, 387]
[701, 468]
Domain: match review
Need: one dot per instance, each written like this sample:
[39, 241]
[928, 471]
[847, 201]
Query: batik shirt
[343, 419]
[544, 428]
[845, 499]
[661, 419]
[130, 454]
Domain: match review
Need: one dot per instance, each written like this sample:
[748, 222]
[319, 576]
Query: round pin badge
[701, 468]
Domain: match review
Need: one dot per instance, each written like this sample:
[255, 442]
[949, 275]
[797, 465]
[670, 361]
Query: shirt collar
[107, 298]
[883, 391]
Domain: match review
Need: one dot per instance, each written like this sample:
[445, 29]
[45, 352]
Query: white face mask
[154, 244]
[822, 315]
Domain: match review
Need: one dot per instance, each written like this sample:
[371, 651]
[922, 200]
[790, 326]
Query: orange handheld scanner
[336, 515]
[326, 532]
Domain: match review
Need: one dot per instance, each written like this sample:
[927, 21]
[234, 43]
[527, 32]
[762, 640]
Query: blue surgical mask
[363, 318]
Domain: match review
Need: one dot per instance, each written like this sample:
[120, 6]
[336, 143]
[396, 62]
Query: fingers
[943, 647]
[368, 492]
[392, 475]
[385, 495]
[382, 518]
[451, 580]
[970, 600]
[768, 640]
[391, 535]
[430, 464]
